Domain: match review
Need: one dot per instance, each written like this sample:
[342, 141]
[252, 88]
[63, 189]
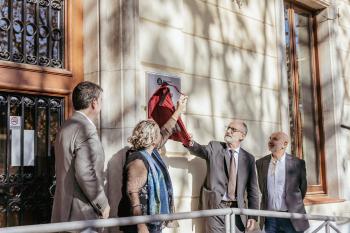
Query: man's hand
[105, 213]
[250, 224]
[142, 228]
[182, 103]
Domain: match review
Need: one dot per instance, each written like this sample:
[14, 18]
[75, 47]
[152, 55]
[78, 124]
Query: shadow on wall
[114, 183]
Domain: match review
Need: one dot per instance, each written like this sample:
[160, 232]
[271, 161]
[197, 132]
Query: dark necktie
[231, 188]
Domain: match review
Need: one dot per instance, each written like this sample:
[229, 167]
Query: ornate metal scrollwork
[28, 102]
[2, 178]
[15, 203]
[13, 178]
[42, 103]
[31, 60]
[5, 24]
[56, 63]
[44, 3]
[31, 29]
[18, 26]
[25, 23]
[28, 176]
[56, 4]
[56, 34]
[14, 100]
[5, 55]
[55, 103]
[44, 61]
[52, 188]
[3, 100]
[44, 32]
[18, 57]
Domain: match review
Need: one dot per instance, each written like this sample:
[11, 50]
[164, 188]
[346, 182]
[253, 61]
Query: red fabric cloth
[161, 108]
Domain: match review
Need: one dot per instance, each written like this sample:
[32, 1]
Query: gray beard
[230, 140]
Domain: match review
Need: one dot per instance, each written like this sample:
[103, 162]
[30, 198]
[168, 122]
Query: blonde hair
[145, 133]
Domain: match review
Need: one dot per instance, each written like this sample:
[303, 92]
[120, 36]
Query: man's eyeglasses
[233, 129]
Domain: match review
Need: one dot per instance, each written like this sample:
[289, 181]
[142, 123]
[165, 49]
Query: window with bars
[32, 32]
[305, 93]
[28, 127]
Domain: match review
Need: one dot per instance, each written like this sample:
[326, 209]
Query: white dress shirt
[276, 181]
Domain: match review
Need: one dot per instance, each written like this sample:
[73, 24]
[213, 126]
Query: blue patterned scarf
[160, 189]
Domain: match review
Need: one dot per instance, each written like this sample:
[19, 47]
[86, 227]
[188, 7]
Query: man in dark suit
[282, 182]
[230, 174]
[79, 161]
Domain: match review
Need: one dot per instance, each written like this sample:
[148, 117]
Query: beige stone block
[92, 77]
[344, 61]
[346, 89]
[112, 109]
[222, 25]
[345, 119]
[130, 33]
[132, 97]
[344, 13]
[112, 142]
[91, 34]
[110, 35]
[225, 62]
[187, 174]
[219, 98]
[167, 12]
[343, 38]
[122, 104]
[161, 45]
[260, 10]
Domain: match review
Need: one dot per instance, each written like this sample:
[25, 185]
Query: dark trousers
[216, 224]
[279, 225]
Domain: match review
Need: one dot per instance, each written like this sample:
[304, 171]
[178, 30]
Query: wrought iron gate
[28, 126]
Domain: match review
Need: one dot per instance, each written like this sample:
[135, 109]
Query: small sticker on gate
[15, 122]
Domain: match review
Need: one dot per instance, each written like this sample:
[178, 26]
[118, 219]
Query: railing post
[328, 228]
[233, 223]
[227, 223]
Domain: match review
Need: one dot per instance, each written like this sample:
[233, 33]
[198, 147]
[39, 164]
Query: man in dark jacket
[282, 182]
[230, 174]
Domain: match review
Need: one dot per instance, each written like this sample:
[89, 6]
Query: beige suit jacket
[79, 163]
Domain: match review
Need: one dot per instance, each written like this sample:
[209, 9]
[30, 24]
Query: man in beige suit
[80, 161]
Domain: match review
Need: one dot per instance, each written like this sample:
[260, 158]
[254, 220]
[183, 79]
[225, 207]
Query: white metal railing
[88, 225]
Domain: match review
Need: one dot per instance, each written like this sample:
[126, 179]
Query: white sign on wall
[155, 80]
[28, 143]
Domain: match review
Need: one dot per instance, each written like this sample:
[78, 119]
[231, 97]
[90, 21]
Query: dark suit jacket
[295, 187]
[218, 163]
[79, 158]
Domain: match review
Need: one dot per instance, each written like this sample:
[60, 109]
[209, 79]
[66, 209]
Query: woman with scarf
[147, 187]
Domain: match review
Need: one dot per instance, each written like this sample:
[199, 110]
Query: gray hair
[145, 133]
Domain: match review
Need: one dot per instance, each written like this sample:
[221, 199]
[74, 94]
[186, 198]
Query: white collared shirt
[276, 181]
[235, 153]
[86, 118]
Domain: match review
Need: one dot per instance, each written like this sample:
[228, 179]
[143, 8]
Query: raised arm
[168, 128]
